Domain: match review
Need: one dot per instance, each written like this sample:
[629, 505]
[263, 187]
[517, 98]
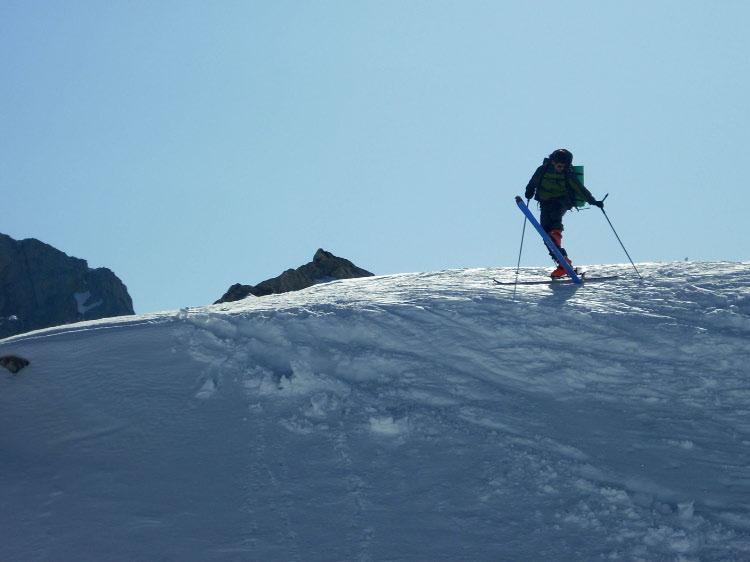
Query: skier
[556, 188]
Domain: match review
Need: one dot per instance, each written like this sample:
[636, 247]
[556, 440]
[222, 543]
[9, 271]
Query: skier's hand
[529, 193]
[599, 204]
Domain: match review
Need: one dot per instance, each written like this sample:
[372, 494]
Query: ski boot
[560, 271]
[556, 237]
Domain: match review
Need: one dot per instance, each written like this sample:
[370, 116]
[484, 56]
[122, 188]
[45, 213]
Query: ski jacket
[546, 184]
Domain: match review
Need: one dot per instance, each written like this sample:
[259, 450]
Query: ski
[574, 278]
[566, 281]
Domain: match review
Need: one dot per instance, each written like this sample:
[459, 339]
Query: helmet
[562, 155]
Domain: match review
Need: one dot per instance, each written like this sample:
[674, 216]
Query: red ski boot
[560, 271]
[556, 237]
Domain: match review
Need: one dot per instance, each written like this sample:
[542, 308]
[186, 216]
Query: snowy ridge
[405, 417]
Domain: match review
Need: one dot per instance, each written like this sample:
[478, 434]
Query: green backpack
[576, 197]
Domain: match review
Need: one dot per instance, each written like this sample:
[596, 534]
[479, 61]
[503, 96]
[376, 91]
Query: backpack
[576, 197]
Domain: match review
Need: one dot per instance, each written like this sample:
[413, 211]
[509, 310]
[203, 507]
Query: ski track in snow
[406, 417]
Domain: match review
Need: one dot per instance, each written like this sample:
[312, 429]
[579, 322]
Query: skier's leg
[550, 219]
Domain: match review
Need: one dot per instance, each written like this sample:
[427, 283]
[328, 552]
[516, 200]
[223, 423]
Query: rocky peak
[324, 267]
[41, 286]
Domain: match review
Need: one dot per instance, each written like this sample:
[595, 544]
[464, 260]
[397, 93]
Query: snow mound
[428, 416]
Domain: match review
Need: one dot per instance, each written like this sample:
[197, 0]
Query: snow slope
[407, 417]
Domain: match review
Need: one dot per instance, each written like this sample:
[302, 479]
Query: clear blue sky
[191, 145]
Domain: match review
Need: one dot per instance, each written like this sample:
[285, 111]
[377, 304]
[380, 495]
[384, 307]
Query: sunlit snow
[425, 416]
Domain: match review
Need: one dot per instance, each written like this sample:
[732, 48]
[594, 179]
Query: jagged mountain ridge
[41, 286]
[324, 267]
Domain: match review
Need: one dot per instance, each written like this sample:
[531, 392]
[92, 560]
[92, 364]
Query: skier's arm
[590, 199]
[534, 183]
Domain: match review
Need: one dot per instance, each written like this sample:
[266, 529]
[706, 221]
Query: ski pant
[550, 218]
[551, 213]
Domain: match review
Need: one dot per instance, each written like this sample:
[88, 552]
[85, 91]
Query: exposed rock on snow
[13, 363]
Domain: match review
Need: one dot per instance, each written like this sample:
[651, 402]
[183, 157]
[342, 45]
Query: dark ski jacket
[546, 184]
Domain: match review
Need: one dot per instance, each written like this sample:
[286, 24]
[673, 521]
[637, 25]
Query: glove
[599, 204]
[529, 192]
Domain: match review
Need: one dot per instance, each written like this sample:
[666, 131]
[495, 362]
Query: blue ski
[548, 242]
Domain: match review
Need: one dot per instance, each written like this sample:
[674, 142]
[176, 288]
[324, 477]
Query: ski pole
[618, 238]
[518, 265]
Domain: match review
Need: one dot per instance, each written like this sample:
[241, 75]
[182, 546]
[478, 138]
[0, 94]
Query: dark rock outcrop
[41, 286]
[13, 363]
[324, 267]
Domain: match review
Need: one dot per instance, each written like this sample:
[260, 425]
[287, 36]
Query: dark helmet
[563, 156]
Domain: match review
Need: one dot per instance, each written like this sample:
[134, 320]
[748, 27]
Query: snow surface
[426, 416]
[82, 299]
